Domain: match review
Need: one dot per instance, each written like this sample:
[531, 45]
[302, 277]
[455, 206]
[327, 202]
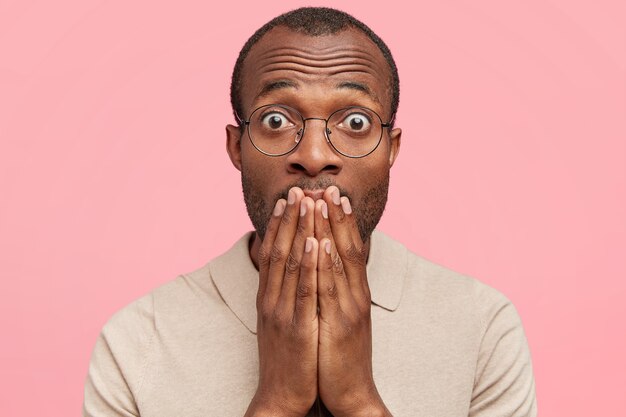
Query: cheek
[251, 165]
[260, 172]
[370, 179]
[369, 170]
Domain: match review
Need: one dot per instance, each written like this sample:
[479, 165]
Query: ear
[394, 145]
[233, 145]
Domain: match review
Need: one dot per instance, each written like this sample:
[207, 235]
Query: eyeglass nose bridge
[327, 131]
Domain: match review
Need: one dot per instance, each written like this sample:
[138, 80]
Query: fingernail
[327, 247]
[335, 195]
[302, 208]
[279, 207]
[345, 205]
[324, 210]
[291, 197]
[309, 245]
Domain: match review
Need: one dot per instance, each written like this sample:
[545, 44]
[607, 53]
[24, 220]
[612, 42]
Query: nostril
[298, 167]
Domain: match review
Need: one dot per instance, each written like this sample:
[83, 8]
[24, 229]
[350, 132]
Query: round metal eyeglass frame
[327, 131]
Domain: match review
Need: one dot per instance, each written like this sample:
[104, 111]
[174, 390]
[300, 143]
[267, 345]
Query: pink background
[114, 176]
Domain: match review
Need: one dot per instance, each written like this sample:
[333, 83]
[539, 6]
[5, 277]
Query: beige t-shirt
[443, 344]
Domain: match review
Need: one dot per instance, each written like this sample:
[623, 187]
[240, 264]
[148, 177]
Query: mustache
[311, 184]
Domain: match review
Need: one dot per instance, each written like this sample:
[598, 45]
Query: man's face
[316, 76]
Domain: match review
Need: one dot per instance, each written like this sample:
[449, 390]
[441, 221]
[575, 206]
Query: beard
[367, 211]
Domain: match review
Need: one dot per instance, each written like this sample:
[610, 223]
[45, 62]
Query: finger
[306, 293]
[281, 247]
[323, 231]
[287, 298]
[322, 224]
[346, 236]
[332, 287]
[326, 288]
[266, 246]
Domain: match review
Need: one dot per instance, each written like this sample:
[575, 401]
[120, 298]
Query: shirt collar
[237, 280]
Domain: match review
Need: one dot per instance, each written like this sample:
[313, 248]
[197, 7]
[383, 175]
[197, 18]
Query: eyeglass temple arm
[241, 121]
[390, 122]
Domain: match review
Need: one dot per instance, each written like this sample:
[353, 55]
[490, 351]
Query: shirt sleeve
[504, 385]
[119, 361]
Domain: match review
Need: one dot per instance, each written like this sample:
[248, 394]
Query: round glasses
[276, 130]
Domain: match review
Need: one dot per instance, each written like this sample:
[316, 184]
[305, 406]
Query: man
[315, 313]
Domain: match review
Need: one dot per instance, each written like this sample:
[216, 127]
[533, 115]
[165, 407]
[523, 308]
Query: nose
[314, 155]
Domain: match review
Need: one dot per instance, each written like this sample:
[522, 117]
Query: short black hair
[312, 21]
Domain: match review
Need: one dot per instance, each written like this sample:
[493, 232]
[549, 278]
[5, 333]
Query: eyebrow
[276, 85]
[352, 85]
[283, 84]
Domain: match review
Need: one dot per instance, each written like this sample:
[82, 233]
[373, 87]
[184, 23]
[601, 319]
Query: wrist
[266, 407]
[368, 411]
[368, 406]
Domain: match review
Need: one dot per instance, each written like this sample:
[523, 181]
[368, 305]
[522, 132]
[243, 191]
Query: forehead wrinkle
[316, 61]
[316, 58]
[335, 55]
[330, 68]
[356, 85]
[331, 50]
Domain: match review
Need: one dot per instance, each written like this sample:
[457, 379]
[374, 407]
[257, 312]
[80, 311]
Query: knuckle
[354, 254]
[292, 265]
[331, 291]
[328, 265]
[304, 290]
[367, 298]
[286, 219]
[264, 256]
[276, 254]
[357, 322]
[364, 309]
[278, 318]
[306, 264]
[348, 330]
[265, 312]
[302, 301]
[337, 264]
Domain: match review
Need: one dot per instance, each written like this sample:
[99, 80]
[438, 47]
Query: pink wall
[114, 178]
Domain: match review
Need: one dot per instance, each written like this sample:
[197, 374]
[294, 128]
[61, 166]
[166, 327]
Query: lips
[314, 194]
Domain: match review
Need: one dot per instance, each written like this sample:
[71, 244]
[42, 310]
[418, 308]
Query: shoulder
[449, 287]
[450, 296]
[136, 323]
[175, 305]
[133, 322]
[503, 376]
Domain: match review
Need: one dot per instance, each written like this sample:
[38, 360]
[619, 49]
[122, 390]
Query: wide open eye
[356, 122]
[274, 120]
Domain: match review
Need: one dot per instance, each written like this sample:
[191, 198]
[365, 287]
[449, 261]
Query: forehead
[288, 62]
